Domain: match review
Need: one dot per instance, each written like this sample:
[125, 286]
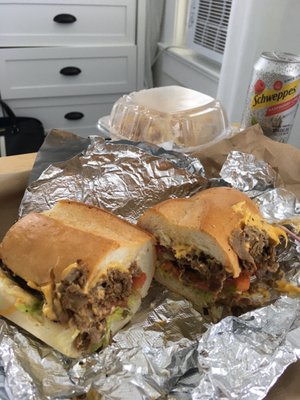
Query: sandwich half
[74, 275]
[215, 248]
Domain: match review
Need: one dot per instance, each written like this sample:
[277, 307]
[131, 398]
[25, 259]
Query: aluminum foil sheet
[259, 180]
[168, 351]
[122, 177]
[246, 173]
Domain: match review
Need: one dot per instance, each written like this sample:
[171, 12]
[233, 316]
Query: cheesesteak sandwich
[74, 275]
[215, 248]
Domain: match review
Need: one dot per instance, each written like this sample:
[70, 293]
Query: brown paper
[284, 158]
[288, 385]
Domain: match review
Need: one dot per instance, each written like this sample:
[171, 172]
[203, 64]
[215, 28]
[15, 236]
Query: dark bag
[22, 134]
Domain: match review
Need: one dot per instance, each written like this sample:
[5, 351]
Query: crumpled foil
[168, 350]
[259, 180]
[246, 173]
[123, 177]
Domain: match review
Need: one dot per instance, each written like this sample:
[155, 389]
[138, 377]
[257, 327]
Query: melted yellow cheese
[250, 219]
[181, 250]
[117, 265]
[33, 285]
[47, 291]
[67, 270]
[286, 287]
[47, 307]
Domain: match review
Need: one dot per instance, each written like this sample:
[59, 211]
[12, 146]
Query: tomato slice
[242, 283]
[139, 280]
[201, 285]
[170, 267]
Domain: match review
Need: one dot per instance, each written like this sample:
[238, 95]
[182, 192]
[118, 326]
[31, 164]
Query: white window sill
[192, 59]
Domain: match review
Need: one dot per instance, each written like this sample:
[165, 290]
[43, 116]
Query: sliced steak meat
[118, 285]
[88, 310]
[206, 269]
[254, 249]
[197, 267]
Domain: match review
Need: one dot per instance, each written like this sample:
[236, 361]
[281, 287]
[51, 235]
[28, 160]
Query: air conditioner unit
[207, 27]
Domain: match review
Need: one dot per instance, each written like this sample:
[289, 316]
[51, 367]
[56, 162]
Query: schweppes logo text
[271, 97]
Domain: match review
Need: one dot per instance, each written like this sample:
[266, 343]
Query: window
[207, 27]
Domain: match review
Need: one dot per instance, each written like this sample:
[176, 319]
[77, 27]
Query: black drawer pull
[70, 71]
[64, 18]
[73, 115]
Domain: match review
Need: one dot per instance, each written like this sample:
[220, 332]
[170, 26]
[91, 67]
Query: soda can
[273, 95]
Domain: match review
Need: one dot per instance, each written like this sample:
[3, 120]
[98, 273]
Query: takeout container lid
[173, 117]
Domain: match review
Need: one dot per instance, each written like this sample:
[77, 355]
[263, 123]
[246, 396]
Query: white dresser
[67, 62]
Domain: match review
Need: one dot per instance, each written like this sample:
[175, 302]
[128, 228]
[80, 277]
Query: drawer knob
[70, 71]
[64, 18]
[74, 115]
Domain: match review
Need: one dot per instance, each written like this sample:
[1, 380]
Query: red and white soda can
[273, 95]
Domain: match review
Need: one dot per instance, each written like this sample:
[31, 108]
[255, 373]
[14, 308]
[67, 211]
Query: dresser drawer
[32, 23]
[70, 71]
[58, 112]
